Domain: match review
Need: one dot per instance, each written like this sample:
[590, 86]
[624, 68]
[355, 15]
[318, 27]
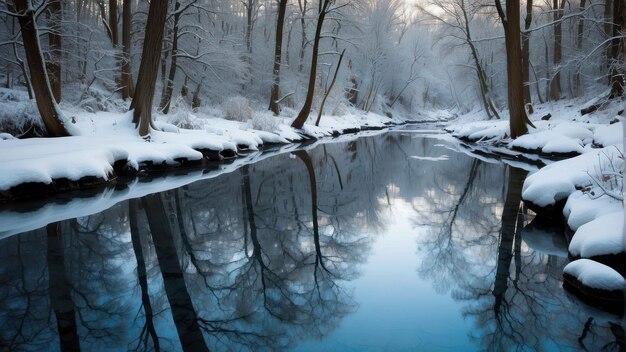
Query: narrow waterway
[395, 242]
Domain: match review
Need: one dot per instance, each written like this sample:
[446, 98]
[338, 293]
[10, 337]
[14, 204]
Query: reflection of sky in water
[398, 311]
[406, 257]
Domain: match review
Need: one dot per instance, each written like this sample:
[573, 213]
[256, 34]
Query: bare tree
[127, 78]
[308, 103]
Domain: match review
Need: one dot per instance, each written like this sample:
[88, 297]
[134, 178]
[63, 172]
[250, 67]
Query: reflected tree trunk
[508, 233]
[183, 312]
[142, 276]
[306, 159]
[60, 291]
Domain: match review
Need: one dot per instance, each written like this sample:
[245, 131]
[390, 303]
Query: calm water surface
[394, 242]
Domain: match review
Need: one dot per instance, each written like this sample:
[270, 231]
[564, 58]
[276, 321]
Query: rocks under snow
[595, 283]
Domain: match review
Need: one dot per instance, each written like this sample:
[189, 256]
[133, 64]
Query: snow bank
[595, 275]
[601, 236]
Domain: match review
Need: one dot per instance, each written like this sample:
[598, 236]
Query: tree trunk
[149, 67]
[579, 46]
[526, 51]
[616, 71]
[306, 109]
[50, 113]
[555, 83]
[332, 83]
[169, 84]
[113, 22]
[302, 4]
[127, 78]
[55, 42]
[275, 93]
[518, 120]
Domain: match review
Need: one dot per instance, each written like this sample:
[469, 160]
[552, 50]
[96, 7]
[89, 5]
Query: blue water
[394, 242]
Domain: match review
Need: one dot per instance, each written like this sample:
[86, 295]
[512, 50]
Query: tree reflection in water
[262, 258]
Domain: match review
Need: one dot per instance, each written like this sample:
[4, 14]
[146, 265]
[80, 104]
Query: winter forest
[312, 175]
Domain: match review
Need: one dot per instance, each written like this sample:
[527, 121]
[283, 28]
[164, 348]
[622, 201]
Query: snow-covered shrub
[18, 113]
[608, 176]
[263, 121]
[182, 116]
[237, 108]
[96, 98]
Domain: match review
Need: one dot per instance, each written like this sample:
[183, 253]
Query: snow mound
[582, 208]
[557, 181]
[606, 135]
[595, 275]
[602, 236]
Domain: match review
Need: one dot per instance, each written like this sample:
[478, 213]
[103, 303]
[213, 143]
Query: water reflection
[266, 257]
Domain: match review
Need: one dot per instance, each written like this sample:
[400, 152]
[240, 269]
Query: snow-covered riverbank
[108, 146]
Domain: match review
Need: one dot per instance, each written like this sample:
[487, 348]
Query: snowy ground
[587, 188]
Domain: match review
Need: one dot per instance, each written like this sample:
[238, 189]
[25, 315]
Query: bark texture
[518, 120]
[149, 68]
[278, 51]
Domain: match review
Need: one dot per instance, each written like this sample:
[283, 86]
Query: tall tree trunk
[113, 22]
[308, 103]
[618, 48]
[608, 32]
[579, 45]
[50, 113]
[526, 51]
[302, 4]
[518, 120]
[278, 51]
[55, 42]
[127, 78]
[169, 84]
[149, 67]
[181, 305]
[555, 83]
[249, 5]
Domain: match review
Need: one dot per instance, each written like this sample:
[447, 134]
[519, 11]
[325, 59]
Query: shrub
[237, 108]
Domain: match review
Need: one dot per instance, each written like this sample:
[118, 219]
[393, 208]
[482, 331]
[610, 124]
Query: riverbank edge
[123, 173]
[610, 301]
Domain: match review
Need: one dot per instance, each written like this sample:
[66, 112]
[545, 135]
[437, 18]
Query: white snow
[582, 208]
[595, 275]
[430, 158]
[557, 181]
[601, 236]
